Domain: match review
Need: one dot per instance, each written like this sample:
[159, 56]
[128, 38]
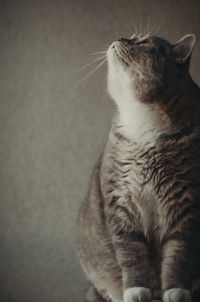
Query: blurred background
[52, 129]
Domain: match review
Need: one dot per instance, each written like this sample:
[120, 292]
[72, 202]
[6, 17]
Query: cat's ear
[182, 50]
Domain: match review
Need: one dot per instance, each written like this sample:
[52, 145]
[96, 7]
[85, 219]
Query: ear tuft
[183, 48]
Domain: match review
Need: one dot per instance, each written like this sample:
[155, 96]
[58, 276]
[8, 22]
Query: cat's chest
[156, 179]
[148, 175]
[147, 172]
[140, 201]
[142, 190]
[135, 174]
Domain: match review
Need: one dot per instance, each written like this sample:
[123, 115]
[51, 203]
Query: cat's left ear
[182, 50]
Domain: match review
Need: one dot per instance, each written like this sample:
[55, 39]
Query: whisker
[137, 53]
[153, 29]
[143, 71]
[88, 64]
[133, 35]
[136, 30]
[132, 32]
[97, 53]
[141, 28]
[152, 73]
[91, 72]
[148, 28]
[149, 25]
[145, 29]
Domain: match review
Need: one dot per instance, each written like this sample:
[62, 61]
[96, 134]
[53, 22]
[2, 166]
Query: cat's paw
[177, 295]
[137, 294]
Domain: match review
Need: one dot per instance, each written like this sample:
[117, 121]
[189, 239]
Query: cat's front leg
[137, 294]
[132, 255]
[176, 268]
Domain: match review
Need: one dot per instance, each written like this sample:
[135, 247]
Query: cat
[139, 227]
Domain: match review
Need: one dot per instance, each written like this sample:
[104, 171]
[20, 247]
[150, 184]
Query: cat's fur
[139, 227]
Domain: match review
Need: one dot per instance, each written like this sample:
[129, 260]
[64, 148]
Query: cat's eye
[145, 43]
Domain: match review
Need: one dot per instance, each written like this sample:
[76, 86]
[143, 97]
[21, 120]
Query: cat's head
[147, 68]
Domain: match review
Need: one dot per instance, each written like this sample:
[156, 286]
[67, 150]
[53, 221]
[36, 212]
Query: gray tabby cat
[139, 228]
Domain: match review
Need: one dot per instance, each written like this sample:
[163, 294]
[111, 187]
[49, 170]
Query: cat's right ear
[182, 50]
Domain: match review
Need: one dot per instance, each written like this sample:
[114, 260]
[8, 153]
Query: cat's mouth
[122, 54]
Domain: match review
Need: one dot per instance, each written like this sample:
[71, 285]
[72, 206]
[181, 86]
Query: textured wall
[51, 132]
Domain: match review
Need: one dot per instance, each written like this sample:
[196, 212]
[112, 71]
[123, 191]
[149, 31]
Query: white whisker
[153, 29]
[137, 53]
[97, 53]
[133, 35]
[91, 72]
[88, 64]
[149, 26]
[140, 27]
[136, 31]
[132, 32]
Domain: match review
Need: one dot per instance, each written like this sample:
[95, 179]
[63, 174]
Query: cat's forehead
[137, 38]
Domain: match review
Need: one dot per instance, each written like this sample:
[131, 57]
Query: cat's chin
[116, 58]
[121, 56]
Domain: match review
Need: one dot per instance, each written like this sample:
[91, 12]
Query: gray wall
[51, 132]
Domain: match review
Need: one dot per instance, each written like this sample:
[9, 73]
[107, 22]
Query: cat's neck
[144, 123]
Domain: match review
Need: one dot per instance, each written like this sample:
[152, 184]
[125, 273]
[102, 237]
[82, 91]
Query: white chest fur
[142, 122]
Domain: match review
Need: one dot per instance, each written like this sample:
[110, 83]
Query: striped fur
[138, 229]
